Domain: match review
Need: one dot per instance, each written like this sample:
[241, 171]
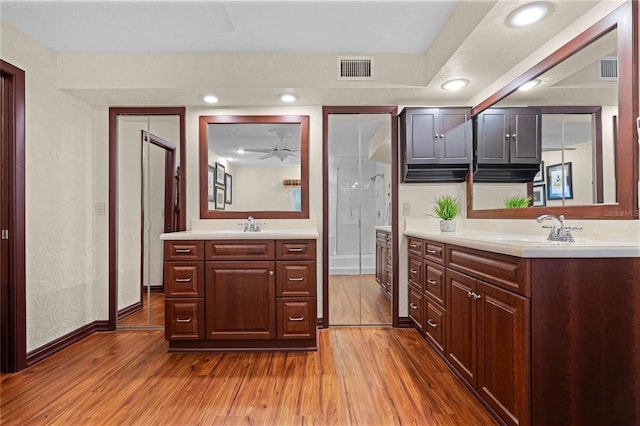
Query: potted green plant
[517, 202]
[446, 208]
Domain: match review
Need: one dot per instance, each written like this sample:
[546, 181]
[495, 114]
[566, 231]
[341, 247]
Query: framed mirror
[254, 166]
[588, 127]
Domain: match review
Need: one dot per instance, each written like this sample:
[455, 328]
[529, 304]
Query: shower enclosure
[359, 193]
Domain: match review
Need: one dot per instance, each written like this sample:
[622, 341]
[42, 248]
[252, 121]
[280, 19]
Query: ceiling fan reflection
[280, 153]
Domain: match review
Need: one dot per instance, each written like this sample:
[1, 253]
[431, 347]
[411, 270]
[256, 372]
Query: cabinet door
[455, 141]
[526, 136]
[420, 135]
[461, 324]
[493, 135]
[240, 300]
[503, 345]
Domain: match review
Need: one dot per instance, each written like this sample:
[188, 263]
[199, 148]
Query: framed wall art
[220, 170]
[559, 182]
[228, 188]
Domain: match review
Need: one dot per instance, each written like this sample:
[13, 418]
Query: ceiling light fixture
[457, 84]
[529, 14]
[210, 99]
[529, 85]
[288, 97]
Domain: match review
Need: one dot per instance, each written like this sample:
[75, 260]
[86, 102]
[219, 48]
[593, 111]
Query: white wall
[60, 221]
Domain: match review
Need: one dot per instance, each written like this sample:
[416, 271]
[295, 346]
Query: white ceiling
[417, 45]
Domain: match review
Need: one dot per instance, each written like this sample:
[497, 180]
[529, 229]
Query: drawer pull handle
[183, 280]
[295, 250]
[413, 271]
[296, 279]
[432, 324]
[184, 320]
[430, 251]
[296, 319]
[413, 306]
[182, 251]
[431, 281]
[413, 245]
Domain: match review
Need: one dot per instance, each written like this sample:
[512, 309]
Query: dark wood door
[420, 129]
[461, 324]
[240, 300]
[526, 136]
[503, 347]
[455, 140]
[493, 135]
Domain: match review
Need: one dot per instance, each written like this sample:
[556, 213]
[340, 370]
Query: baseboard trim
[405, 322]
[122, 313]
[62, 342]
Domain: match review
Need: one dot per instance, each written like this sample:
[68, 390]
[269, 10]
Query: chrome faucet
[563, 233]
[251, 225]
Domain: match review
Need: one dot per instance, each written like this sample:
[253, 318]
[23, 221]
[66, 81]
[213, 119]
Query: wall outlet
[406, 209]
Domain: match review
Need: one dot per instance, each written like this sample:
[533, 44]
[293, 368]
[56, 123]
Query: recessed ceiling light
[288, 97]
[528, 14]
[453, 85]
[529, 85]
[210, 99]
[240, 151]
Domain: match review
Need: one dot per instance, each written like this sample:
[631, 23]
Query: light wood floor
[357, 300]
[358, 376]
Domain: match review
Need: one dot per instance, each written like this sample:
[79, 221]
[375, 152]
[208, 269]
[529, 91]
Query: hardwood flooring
[358, 376]
[357, 300]
[141, 318]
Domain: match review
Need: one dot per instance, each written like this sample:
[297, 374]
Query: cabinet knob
[469, 294]
[271, 273]
[476, 296]
[513, 135]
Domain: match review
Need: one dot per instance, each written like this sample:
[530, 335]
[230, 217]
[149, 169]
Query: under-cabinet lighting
[529, 14]
[457, 84]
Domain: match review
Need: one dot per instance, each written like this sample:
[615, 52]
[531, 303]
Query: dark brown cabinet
[384, 268]
[437, 143]
[509, 136]
[240, 294]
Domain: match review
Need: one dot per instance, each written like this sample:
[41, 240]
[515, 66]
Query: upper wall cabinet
[436, 144]
[508, 144]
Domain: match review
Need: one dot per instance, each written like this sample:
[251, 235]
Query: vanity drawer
[296, 249]
[183, 250]
[184, 279]
[296, 318]
[415, 306]
[240, 250]
[381, 236]
[414, 246]
[434, 251]
[184, 319]
[415, 272]
[296, 279]
[434, 323]
[508, 272]
[434, 281]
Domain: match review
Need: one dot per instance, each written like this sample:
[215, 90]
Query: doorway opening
[359, 192]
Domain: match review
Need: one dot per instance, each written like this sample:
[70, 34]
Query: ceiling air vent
[355, 68]
[608, 68]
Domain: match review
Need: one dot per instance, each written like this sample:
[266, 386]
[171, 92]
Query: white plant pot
[448, 225]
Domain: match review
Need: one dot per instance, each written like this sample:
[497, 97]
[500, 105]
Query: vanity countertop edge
[295, 234]
[532, 247]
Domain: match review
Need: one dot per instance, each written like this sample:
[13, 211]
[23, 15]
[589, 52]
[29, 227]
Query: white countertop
[530, 246]
[270, 229]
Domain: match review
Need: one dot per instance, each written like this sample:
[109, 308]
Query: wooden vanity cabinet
[245, 294]
[184, 290]
[384, 266]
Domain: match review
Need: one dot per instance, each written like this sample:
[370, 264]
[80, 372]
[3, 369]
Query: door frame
[13, 316]
[332, 110]
[114, 112]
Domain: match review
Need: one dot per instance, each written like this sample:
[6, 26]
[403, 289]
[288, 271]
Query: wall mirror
[588, 128]
[254, 166]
